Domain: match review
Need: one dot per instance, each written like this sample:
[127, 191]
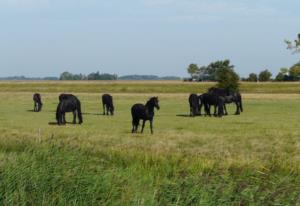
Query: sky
[41, 38]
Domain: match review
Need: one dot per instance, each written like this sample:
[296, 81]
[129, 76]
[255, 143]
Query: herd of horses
[216, 97]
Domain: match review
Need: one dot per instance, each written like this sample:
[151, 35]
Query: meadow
[251, 159]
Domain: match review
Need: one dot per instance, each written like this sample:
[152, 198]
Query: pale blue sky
[46, 37]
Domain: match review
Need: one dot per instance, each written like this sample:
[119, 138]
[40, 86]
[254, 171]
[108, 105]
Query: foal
[144, 112]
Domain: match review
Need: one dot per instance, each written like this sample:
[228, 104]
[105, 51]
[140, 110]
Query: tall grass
[55, 175]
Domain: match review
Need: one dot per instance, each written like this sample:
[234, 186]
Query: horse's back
[138, 111]
[107, 99]
[66, 96]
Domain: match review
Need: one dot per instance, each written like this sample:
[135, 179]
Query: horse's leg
[103, 109]
[107, 108]
[151, 126]
[200, 108]
[60, 118]
[191, 111]
[64, 118]
[215, 110]
[225, 110]
[137, 125]
[237, 108]
[133, 127]
[74, 117]
[143, 126]
[207, 109]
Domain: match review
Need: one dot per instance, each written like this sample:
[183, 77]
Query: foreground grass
[141, 87]
[251, 159]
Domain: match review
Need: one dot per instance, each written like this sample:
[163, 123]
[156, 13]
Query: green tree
[252, 77]
[212, 68]
[193, 69]
[66, 76]
[226, 76]
[279, 77]
[282, 75]
[264, 76]
[295, 72]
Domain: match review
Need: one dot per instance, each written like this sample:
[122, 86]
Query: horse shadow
[187, 115]
[55, 123]
[96, 114]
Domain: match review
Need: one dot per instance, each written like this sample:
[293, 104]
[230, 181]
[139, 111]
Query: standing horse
[68, 103]
[107, 102]
[194, 105]
[144, 112]
[37, 102]
[228, 97]
[208, 100]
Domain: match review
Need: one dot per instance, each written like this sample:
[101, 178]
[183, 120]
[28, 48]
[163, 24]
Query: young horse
[229, 97]
[194, 105]
[37, 102]
[68, 103]
[107, 102]
[144, 112]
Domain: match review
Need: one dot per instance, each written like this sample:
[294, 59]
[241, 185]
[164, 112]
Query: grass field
[141, 87]
[251, 159]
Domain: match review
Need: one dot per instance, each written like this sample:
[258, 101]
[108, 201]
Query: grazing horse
[194, 105]
[68, 103]
[37, 102]
[107, 102]
[228, 97]
[144, 112]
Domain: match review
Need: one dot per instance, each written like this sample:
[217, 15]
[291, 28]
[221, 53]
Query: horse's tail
[79, 112]
[240, 101]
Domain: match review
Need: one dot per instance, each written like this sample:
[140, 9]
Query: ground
[250, 159]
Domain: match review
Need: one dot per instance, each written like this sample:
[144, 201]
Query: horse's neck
[149, 108]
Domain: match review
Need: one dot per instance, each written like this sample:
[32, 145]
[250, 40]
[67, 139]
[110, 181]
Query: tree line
[217, 70]
[92, 76]
[106, 76]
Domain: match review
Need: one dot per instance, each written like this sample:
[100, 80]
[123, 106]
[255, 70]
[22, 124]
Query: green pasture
[141, 86]
[251, 159]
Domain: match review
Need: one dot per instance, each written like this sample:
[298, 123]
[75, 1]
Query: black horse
[37, 102]
[229, 96]
[107, 102]
[194, 105]
[68, 103]
[144, 112]
[208, 100]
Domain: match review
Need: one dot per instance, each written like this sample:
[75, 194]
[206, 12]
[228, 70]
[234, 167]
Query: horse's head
[155, 102]
[112, 109]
